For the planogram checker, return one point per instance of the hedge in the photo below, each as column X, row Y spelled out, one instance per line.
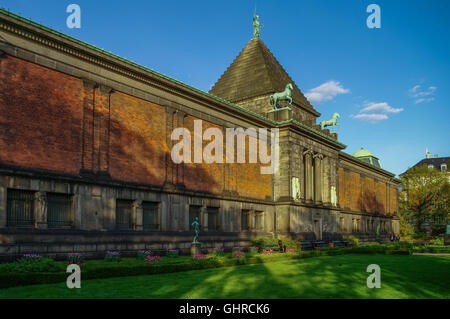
column 109, row 270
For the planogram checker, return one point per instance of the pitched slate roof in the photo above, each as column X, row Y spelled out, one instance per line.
column 256, row 72
column 436, row 162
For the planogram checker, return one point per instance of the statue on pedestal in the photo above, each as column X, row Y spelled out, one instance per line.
column 196, row 245
column 256, row 26
column 332, row 122
column 285, row 95
column 196, row 226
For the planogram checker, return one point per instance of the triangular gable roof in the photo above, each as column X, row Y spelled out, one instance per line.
column 256, row 72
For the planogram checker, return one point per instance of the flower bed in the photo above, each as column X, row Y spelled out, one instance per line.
column 11, row 276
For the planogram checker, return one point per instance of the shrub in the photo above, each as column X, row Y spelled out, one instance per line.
column 438, row 241
column 261, row 241
column 237, row 254
column 253, row 250
column 353, row 240
column 113, row 256
column 173, row 253
column 142, row 254
column 33, row 263
column 151, row 259
column 199, row 256
column 75, row 258
column 218, row 251
column 267, row 252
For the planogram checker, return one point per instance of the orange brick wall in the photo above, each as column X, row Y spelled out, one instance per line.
column 40, row 117
column 49, row 120
column 363, row 194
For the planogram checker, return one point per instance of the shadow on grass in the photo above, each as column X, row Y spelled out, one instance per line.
column 325, row 277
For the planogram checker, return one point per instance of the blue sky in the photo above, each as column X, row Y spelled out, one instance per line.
column 390, row 85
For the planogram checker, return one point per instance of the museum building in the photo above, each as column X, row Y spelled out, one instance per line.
column 86, row 166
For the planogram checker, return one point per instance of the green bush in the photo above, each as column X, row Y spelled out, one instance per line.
column 354, row 241
column 438, row 241
column 261, row 241
column 173, row 253
column 27, row 265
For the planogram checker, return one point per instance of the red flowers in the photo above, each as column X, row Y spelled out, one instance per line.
column 151, row 259
column 238, row 254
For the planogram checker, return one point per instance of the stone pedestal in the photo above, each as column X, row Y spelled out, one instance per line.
column 196, row 249
column 281, row 114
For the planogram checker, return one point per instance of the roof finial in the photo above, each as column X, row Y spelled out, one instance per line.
column 256, row 25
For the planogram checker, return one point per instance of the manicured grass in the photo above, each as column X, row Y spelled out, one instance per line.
column 342, row 276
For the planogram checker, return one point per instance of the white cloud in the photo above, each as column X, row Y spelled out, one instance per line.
column 422, row 95
column 380, row 107
column 325, row 91
column 374, row 112
column 370, row 117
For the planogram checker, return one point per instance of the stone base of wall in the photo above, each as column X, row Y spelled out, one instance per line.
column 94, row 244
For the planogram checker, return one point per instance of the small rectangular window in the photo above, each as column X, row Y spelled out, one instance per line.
column 259, row 220
column 59, row 212
column 213, row 218
column 20, row 208
column 123, row 214
column 245, row 220
column 150, row 215
column 341, row 224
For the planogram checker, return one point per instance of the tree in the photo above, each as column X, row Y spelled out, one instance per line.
column 424, row 201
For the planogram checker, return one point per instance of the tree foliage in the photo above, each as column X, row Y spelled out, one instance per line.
column 424, row 201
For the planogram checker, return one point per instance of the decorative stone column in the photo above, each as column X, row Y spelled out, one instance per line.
column 138, row 216
column 318, row 178
column 308, row 176
column 3, row 200
column 203, row 218
column 40, row 210
column 326, row 190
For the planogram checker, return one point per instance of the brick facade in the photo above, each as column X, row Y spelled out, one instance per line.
column 79, row 123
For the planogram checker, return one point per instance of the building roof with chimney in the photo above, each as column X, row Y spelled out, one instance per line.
column 435, row 161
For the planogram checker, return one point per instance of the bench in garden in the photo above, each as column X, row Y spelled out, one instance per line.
column 338, row 243
column 320, row 243
column 306, row 245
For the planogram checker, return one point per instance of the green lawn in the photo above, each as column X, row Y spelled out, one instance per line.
column 341, row 276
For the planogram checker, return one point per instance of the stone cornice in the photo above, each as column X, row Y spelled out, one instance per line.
column 353, row 160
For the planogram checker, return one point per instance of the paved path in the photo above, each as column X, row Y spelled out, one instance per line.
column 432, row 254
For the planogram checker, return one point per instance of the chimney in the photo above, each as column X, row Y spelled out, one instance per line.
column 428, row 154
column 436, row 156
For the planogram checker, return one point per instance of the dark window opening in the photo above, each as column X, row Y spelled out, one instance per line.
column 150, row 216
column 20, row 208
column 59, row 210
column 123, row 214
